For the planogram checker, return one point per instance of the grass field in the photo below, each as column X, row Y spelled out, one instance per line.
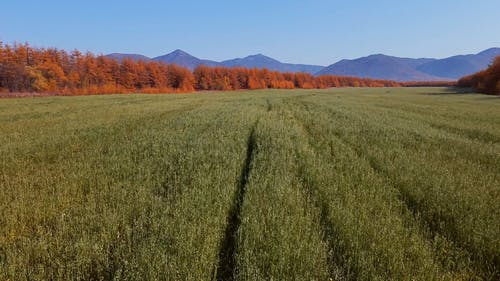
column 342, row 184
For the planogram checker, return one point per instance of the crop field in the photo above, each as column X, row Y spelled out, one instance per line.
column 336, row 184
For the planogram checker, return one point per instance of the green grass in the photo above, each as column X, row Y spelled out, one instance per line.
column 347, row 184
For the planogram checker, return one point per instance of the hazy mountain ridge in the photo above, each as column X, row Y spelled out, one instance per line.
column 185, row 59
column 461, row 65
column 262, row 61
column 377, row 66
column 381, row 67
column 407, row 69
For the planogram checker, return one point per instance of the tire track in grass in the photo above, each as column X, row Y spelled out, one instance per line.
column 269, row 105
column 310, row 182
column 458, row 258
column 227, row 252
column 327, row 225
column 205, row 181
column 448, row 251
column 378, row 169
column 315, row 198
column 337, row 266
column 280, row 237
column 310, row 186
column 410, row 204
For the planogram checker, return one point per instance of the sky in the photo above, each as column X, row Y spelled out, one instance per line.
column 299, row 31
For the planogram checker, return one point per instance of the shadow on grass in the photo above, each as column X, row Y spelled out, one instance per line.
column 453, row 91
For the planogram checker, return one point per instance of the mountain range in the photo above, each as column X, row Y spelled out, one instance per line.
column 182, row 58
column 378, row 66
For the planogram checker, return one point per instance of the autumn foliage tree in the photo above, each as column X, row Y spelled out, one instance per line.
column 27, row 69
column 224, row 78
column 486, row 81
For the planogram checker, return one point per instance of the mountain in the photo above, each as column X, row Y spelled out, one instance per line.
column 375, row 66
column 184, row 59
column 459, row 66
column 381, row 67
column 262, row 61
column 407, row 69
column 120, row 57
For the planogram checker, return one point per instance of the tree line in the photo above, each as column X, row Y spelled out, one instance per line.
column 486, row 81
column 27, row 69
column 49, row 70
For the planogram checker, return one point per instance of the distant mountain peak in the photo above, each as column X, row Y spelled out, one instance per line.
column 184, row 59
column 180, row 52
column 259, row 55
column 378, row 55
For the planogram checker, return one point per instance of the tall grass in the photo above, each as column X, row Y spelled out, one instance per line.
column 280, row 237
column 448, row 178
column 348, row 184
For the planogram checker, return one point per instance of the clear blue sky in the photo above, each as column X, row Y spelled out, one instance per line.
column 301, row 31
